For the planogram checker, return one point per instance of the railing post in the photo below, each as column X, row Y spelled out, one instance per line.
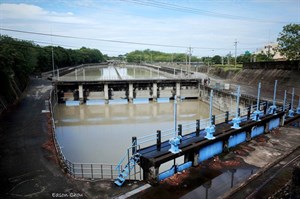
column 101, row 171
column 111, row 172
column 266, row 107
column 197, row 127
column 226, row 116
column 134, row 140
column 158, row 139
column 73, row 170
column 81, row 171
column 92, row 171
column 128, row 160
column 180, row 129
column 249, row 113
column 134, row 171
column 239, row 112
column 213, row 119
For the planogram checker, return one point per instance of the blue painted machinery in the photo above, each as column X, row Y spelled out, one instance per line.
column 298, row 108
column 291, row 111
column 257, row 113
column 175, row 142
column 211, row 128
column 237, row 120
column 273, row 108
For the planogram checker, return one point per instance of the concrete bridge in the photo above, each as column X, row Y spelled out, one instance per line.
column 91, row 91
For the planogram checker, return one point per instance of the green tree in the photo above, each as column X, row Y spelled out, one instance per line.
column 263, row 57
column 289, row 41
column 217, row 59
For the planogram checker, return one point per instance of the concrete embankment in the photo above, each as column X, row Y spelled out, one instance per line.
column 249, row 78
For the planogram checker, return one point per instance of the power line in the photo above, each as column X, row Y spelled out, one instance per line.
column 185, row 9
column 107, row 40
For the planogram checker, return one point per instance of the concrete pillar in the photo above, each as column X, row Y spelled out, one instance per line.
column 154, row 91
column 151, row 175
column 106, row 92
column 80, row 90
column 195, row 160
column 267, row 127
column 282, row 118
column 178, row 89
column 130, row 92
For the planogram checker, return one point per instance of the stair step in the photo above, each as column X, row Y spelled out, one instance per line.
column 117, row 182
column 121, row 179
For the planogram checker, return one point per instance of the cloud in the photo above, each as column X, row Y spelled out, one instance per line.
column 112, row 21
column 27, row 12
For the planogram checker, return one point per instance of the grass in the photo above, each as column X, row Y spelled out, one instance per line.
column 230, row 67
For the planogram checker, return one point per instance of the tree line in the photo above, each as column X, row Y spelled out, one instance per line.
column 19, row 59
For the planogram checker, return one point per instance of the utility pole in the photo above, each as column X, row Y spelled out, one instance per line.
column 228, row 58
column 53, row 70
column 235, row 49
column 190, row 55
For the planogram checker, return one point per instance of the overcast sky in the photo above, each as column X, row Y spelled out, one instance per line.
column 210, row 27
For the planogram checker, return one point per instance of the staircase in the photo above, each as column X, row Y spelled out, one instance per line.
column 135, row 158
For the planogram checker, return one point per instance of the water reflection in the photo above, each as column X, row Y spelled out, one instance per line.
column 219, row 185
column 88, row 133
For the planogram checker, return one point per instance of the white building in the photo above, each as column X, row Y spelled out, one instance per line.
column 271, row 49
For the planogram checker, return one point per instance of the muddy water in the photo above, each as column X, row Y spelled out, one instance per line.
column 112, row 72
column 100, row 134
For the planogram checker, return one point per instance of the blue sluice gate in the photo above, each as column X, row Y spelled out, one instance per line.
column 257, row 130
column 166, row 174
column 274, row 124
column 118, row 101
column 163, row 100
column 236, row 139
column 173, row 169
column 95, row 102
column 72, row 103
column 140, row 101
column 210, row 150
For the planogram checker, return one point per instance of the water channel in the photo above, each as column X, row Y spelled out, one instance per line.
column 115, row 72
column 89, row 133
column 102, row 133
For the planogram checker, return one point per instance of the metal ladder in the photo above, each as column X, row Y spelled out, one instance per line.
column 134, row 159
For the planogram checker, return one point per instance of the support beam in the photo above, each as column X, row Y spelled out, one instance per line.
column 130, row 92
column 178, row 90
column 154, row 91
column 257, row 113
column 272, row 109
column 237, row 120
column 80, row 90
column 211, row 128
column 151, row 175
column 291, row 111
column 176, row 140
column 284, row 101
column 106, row 97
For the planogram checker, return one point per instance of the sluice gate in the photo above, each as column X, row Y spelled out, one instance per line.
column 204, row 139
